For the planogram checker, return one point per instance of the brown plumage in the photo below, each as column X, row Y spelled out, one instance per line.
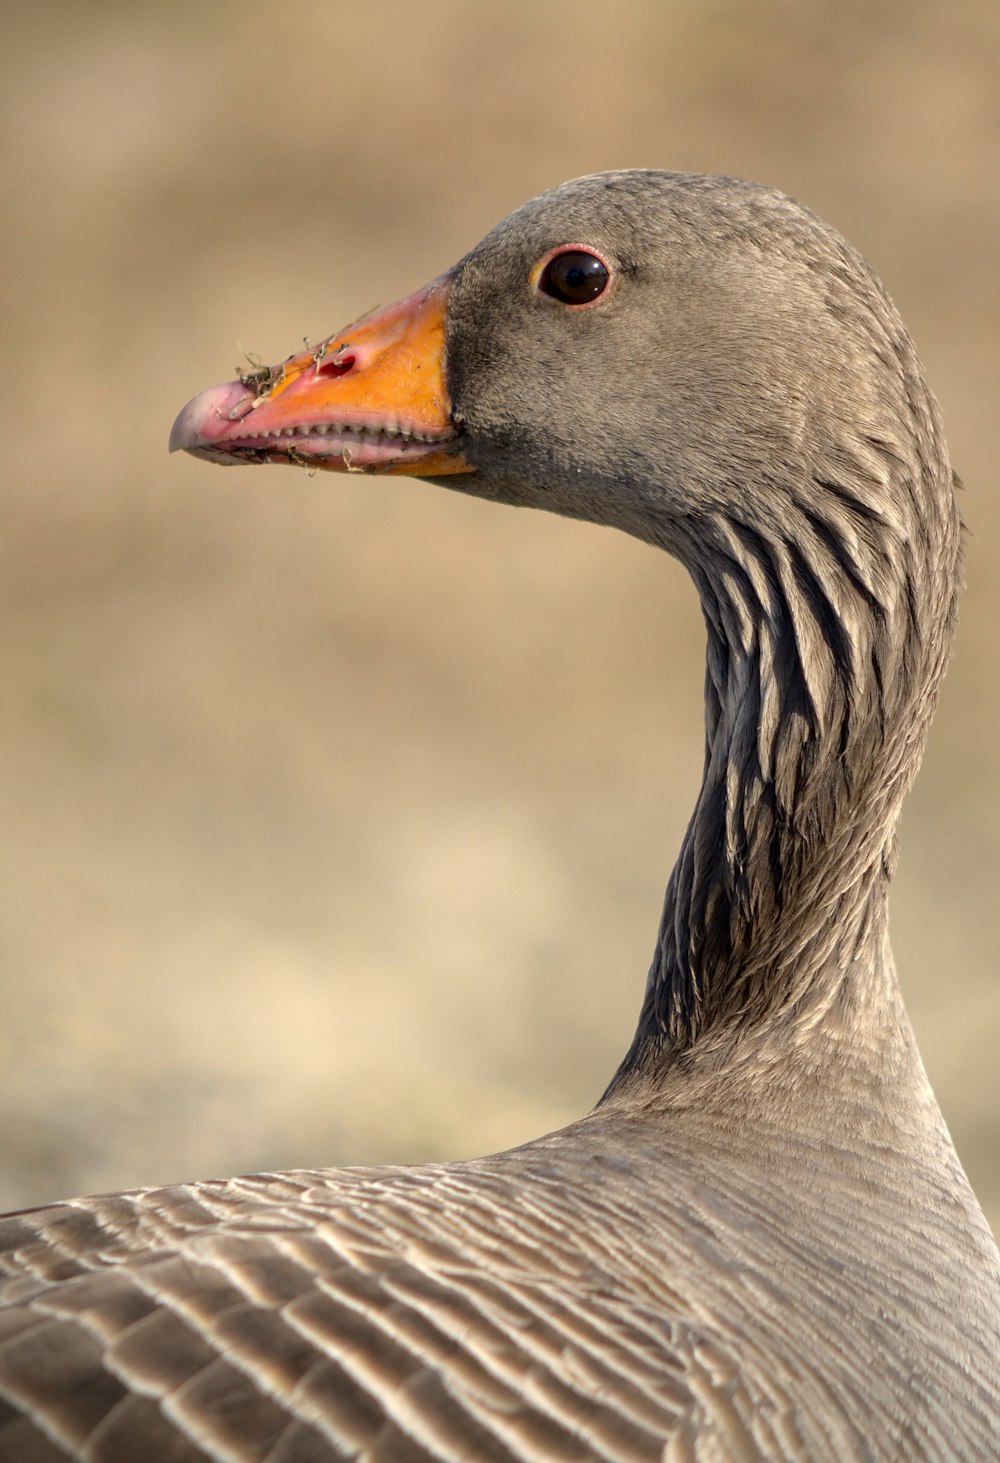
column 760, row 1244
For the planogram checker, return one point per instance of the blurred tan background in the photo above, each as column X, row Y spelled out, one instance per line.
column 337, row 814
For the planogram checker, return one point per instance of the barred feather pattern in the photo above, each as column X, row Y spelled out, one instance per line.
column 520, row 1307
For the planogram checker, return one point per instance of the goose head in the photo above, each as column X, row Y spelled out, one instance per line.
column 644, row 349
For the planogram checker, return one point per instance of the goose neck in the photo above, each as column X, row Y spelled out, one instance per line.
column 826, row 640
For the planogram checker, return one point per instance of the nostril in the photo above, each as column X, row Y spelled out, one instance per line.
column 335, row 365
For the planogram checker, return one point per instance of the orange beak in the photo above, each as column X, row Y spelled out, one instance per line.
column 371, row 399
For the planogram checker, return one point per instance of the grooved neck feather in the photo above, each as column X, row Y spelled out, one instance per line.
column 828, row 633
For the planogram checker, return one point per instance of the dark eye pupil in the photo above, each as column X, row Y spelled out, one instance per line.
column 575, row 277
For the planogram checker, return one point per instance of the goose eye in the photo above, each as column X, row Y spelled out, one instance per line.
column 574, row 277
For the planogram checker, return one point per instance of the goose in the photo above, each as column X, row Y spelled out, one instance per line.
column 760, row 1244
